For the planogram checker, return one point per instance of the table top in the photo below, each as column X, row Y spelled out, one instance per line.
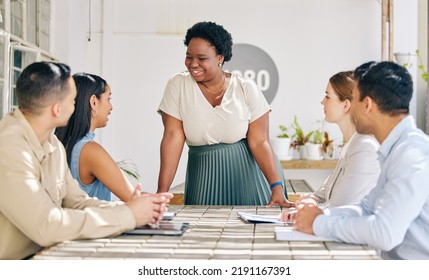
column 215, row 232
column 308, row 164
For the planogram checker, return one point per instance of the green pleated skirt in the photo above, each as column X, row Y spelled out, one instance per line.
column 225, row 174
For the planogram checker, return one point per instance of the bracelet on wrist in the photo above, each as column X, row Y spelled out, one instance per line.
column 275, row 184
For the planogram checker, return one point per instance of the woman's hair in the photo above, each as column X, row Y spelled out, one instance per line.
column 215, row 34
column 343, row 83
column 80, row 121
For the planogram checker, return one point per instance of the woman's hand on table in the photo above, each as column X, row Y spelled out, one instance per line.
column 278, row 198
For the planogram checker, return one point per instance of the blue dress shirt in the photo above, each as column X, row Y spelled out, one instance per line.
column 394, row 216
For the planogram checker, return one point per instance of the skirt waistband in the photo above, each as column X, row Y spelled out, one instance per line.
column 205, row 148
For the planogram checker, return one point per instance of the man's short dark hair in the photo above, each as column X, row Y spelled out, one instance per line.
column 389, row 84
column 40, row 83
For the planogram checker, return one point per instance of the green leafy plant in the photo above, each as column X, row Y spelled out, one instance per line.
column 300, row 138
column 421, row 67
column 129, row 168
column 283, row 133
column 317, row 137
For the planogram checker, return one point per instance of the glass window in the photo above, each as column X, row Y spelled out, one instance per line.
column 17, row 59
column 15, row 76
column 31, row 22
column 2, row 58
column 17, row 17
column 2, row 15
column 21, row 58
column 45, row 22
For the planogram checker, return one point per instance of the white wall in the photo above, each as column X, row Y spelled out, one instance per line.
column 138, row 45
column 422, row 86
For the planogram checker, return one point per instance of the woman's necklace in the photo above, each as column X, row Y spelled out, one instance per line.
column 217, row 91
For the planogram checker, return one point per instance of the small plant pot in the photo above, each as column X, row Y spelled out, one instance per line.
column 313, row 151
column 407, row 60
column 302, row 152
column 281, row 147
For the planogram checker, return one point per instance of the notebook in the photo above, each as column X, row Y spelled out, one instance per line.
column 254, row 218
column 163, row 228
column 290, row 234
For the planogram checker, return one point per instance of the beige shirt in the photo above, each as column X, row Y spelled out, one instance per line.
column 40, row 203
column 203, row 124
column 355, row 174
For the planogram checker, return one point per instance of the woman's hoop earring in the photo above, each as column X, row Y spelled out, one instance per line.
column 94, row 115
column 220, row 64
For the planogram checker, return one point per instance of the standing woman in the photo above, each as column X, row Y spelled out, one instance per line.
column 90, row 164
column 224, row 120
column 357, row 170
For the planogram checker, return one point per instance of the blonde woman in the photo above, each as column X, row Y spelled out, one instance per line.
column 357, row 170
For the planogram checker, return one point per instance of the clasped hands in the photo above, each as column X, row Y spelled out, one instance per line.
column 148, row 208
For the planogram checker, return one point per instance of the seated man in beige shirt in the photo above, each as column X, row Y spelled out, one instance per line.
column 40, row 203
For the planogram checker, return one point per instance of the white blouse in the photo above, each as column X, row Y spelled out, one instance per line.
column 203, row 124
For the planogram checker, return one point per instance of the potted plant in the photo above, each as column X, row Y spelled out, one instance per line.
column 327, row 146
column 313, row 147
column 300, row 138
column 281, row 143
column 411, row 60
column 421, row 67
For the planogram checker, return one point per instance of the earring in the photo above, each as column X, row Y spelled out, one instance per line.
column 220, row 64
column 94, row 115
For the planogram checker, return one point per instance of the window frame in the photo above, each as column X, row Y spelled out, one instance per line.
column 4, row 94
column 13, row 42
column 13, row 68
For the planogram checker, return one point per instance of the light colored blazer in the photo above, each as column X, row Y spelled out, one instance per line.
column 355, row 174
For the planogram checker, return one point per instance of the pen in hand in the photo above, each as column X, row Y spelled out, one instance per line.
column 286, row 214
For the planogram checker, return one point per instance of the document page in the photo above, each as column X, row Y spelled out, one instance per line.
column 254, row 218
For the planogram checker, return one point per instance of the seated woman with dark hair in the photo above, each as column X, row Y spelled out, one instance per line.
column 90, row 164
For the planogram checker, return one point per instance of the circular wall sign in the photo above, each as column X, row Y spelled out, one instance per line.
column 252, row 62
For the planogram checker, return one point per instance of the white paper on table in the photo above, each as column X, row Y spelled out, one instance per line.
column 168, row 216
column 253, row 218
column 290, row 234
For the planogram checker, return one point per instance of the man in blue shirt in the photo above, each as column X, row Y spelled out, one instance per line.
column 394, row 216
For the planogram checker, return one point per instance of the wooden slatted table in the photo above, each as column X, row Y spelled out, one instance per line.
column 215, row 233
column 308, row 164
